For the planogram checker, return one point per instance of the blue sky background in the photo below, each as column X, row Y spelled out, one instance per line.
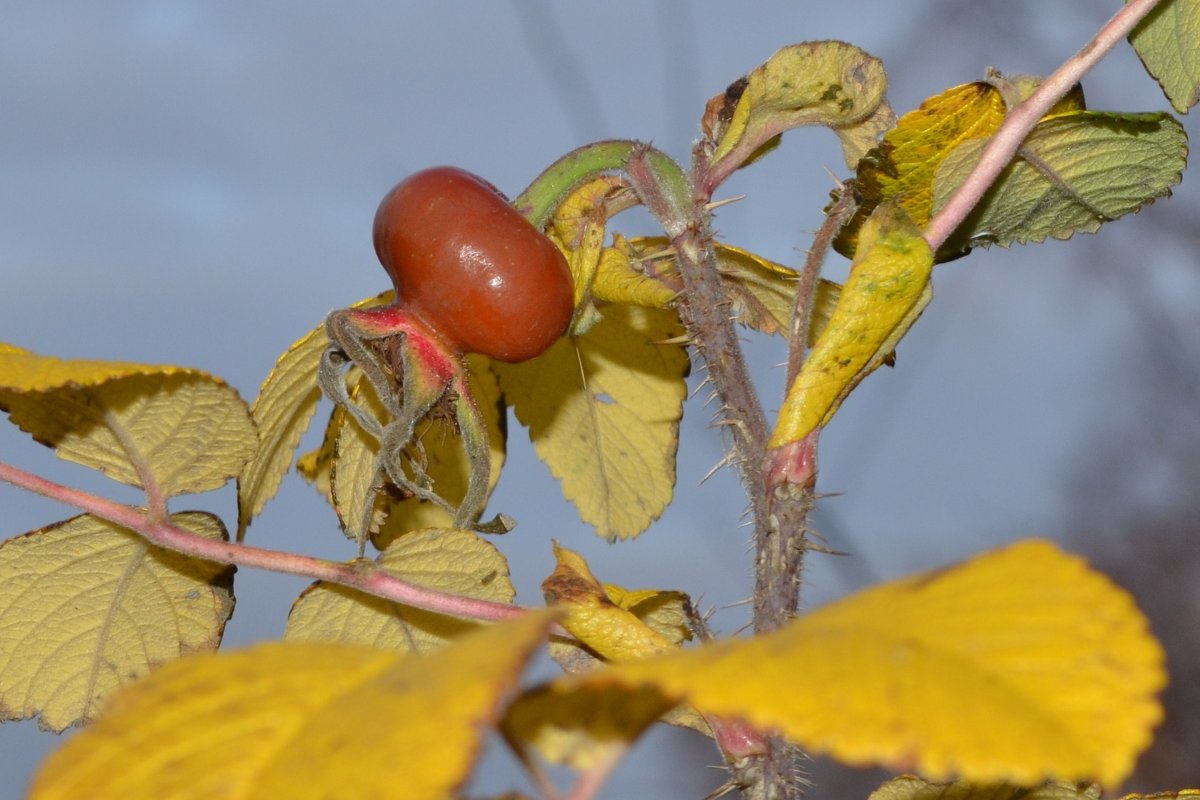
column 194, row 183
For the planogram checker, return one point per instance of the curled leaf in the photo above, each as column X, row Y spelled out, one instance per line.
column 887, row 289
column 827, row 83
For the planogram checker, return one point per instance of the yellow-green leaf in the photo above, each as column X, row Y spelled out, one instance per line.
column 813, row 83
column 453, row 561
column 300, row 720
column 182, row 429
column 1073, row 173
column 86, row 607
column 603, row 411
column 909, row 787
column 1020, row 665
column 284, row 407
column 1168, row 42
column 887, row 289
column 903, row 167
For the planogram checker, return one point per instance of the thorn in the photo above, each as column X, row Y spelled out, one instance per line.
column 724, row 462
column 718, row 203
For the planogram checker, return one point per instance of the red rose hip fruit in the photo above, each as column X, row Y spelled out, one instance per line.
column 471, row 268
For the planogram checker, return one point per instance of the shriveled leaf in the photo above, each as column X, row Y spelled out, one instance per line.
column 1168, row 42
column 1185, row 794
column 184, row 429
column 614, row 633
column 887, row 289
column 1020, row 665
column 903, row 167
column 813, row 83
column 909, row 787
column 1072, row 174
column 582, row 729
column 282, row 412
column 300, row 720
column 453, row 561
column 446, row 461
column 438, row 447
column 87, row 607
column 603, row 411
column 613, row 623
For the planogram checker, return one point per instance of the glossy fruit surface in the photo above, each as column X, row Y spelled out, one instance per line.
column 471, row 267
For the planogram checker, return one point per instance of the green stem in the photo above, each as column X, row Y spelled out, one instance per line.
column 539, row 202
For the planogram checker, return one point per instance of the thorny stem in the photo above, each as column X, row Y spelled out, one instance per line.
column 1022, row 119
column 362, row 575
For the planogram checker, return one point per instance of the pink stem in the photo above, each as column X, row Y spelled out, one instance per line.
column 1021, row 120
column 362, row 575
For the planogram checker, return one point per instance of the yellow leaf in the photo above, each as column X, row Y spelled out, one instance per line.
column 86, row 607
column 300, row 720
column 453, row 561
column 603, row 411
column 904, row 165
column 622, row 277
column 185, row 430
column 583, row 729
column 1018, row 666
column 578, row 225
column 762, row 292
column 813, row 83
column 1168, row 42
column 617, row 624
column 591, row 617
column 909, row 787
column 887, row 289
column 284, row 407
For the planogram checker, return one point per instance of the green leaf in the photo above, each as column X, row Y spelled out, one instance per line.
column 1072, row 174
column 87, row 607
column 1168, row 42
